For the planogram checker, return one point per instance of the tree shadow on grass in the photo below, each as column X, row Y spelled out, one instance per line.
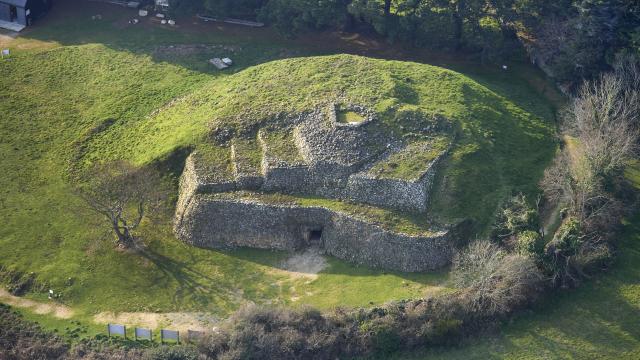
column 577, row 328
column 597, row 315
column 193, row 285
column 576, row 325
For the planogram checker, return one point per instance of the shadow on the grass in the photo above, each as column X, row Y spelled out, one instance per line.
column 191, row 283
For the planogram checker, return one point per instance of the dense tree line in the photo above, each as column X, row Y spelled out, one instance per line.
column 569, row 39
column 579, row 39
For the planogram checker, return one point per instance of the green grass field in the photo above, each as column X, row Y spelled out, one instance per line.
column 96, row 90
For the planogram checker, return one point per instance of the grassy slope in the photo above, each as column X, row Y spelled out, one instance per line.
column 409, row 163
column 66, row 79
column 281, row 146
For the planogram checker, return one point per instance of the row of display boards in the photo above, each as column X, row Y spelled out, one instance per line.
column 147, row 334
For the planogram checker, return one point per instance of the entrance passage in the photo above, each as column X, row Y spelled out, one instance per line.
column 13, row 13
column 315, row 237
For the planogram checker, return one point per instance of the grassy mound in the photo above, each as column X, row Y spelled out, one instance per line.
column 502, row 146
column 67, row 105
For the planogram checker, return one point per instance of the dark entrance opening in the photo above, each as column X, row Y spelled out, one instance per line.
column 315, row 237
column 13, row 13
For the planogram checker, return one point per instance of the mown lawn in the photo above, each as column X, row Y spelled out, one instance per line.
column 67, row 79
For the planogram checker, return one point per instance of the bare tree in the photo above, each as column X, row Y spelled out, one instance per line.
column 570, row 183
column 124, row 195
column 603, row 117
column 628, row 66
column 603, row 120
column 556, row 183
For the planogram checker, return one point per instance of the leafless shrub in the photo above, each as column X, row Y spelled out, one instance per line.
column 573, row 251
column 494, row 281
column 556, row 183
column 88, row 352
column 20, row 339
column 180, row 352
column 255, row 332
column 603, row 120
column 603, row 116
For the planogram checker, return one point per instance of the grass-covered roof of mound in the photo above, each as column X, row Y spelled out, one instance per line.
column 500, row 146
column 410, row 162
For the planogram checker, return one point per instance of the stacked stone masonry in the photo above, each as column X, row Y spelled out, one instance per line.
column 332, row 161
column 229, row 223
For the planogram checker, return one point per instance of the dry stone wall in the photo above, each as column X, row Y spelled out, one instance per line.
column 322, row 140
column 411, row 195
column 245, row 177
column 213, row 222
column 335, row 159
column 281, row 175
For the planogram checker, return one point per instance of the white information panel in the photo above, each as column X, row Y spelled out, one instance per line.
column 142, row 333
column 169, row 335
column 115, row 329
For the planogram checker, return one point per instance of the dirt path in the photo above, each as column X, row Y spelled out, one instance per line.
column 181, row 321
column 57, row 310
column 572, row 146
column 6, row 37
column 553, row 221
